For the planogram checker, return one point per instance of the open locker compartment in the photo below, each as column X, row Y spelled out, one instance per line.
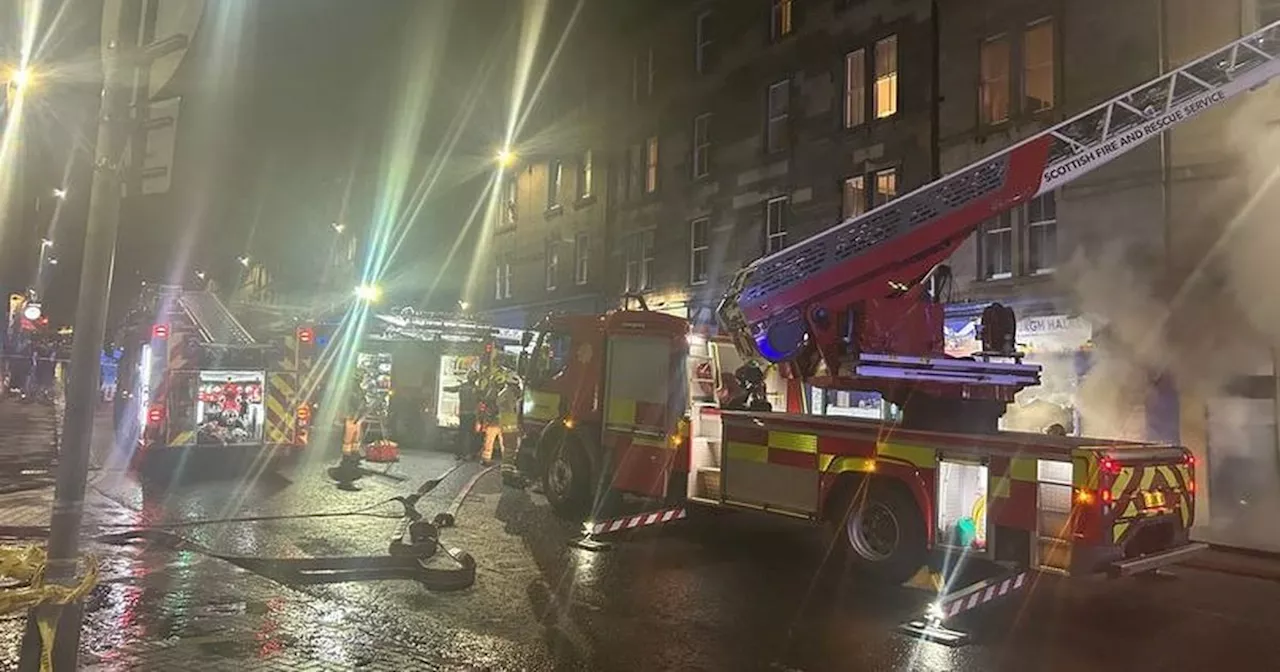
column 705, row 454
column 962, row 520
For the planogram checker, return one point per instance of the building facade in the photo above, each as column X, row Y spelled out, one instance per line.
column 1136, row 285
column 718, row 131
column 721, row 131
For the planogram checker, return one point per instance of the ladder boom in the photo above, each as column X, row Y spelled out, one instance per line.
column 776, row 300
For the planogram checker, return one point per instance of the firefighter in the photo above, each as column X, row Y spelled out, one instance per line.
column 468, row 401
column 497, row 410
column 351, row 434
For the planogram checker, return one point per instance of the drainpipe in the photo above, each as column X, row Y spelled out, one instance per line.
column 935, row 111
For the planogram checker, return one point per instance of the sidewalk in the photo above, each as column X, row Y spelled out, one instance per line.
column 1238, row 562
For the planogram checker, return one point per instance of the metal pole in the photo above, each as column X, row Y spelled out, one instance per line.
column 86, row 348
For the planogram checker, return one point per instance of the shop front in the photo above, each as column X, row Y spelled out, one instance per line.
column 1061, row 344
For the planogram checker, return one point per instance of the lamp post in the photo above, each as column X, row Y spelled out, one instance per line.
column 63, row 564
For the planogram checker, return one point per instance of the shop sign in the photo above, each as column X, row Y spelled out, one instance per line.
column 1042, row 333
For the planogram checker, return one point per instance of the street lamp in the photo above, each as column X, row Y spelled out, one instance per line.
column 244, row 261
column 20, row 78
column 505, row 157
column 53, row 261
column 45, row 242
column 338, row 228
column 200, row 275
column 463, row 305
column 368, row 293
column 60, row 193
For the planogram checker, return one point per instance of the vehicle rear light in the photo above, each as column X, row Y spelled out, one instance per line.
column 304, row 413
column 1191, row 486
column 1106, row 496
column 155, row 415
column 306, row 335
column 1109, row 466
column 1084, row 496
column 1189, row 460
column 160, row 331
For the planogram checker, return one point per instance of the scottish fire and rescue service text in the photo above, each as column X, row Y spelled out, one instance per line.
column 1122, row 142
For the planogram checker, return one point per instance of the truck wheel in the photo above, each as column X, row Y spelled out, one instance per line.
column 883, row 533
column 566, row 480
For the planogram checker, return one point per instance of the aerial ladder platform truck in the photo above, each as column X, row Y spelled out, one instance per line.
column 619, row 403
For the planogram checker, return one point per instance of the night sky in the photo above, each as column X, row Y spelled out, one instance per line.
column 266, row 148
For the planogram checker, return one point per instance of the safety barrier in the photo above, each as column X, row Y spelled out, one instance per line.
column 26, row 566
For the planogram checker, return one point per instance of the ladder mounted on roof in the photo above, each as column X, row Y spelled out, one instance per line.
column 212, row 318
column 776, row 302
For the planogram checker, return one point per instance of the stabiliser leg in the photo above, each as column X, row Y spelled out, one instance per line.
column 931, row 626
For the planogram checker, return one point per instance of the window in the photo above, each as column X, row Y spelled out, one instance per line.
column 699, row 245
column 640, row 261
column 509, row 192
column 996, row 247
column 1268, row 12
column 702, row 145
column 502, row 277
column 553, row 265
column 702, row 42
column 555, row 172
column 642, row 75
column 635, row 171
column 586, row 174
column 581, row 259
column 775, row 224
column 1042, row 234
column 779, row 109
column 1037, row 66
column 886, row 92
column 780, row 19
column 993, row 82
column 886, row 186
column 651, row 165
column 855, row 88
column 854, row 202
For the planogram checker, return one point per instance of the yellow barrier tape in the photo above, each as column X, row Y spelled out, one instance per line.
column 26, row 565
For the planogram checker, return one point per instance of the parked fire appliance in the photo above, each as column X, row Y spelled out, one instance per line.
column 620, row 402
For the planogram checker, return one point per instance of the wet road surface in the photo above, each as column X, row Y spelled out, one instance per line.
column 716, row 592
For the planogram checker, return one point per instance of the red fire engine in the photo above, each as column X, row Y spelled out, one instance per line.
column 627, row 402
column 205, row 387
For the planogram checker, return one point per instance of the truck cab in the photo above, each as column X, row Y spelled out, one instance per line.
column 605, row 397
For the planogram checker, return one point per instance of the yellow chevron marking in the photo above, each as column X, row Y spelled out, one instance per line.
column 183, row 438
column 1166, row 471
column 1118, row 531
column 1148, row 476
column 1122, row 481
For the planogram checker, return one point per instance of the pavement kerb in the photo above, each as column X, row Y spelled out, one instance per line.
column 1238, row 562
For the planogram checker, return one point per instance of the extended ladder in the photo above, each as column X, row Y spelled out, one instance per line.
column 890, row 248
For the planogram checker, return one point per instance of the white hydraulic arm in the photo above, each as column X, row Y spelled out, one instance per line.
column 778, row 303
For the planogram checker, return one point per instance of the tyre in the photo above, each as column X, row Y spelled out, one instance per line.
column 883, row 536
column 566, row 479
